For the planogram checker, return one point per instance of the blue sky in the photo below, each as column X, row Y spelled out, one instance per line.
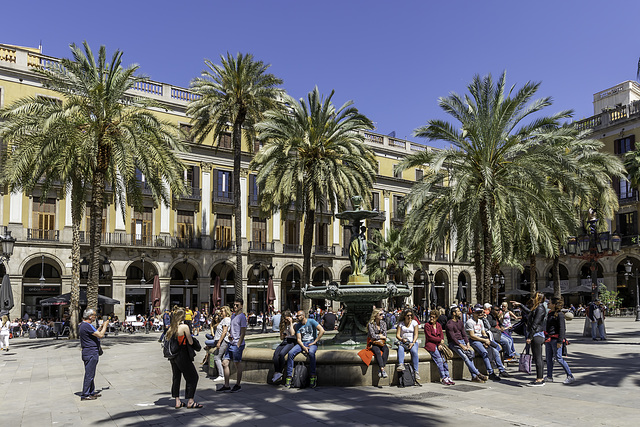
column 392, row 58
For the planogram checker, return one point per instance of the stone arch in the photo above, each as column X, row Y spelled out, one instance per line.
column 290, row 292
column 463, row 290
column 442, row 284
column 344, row 275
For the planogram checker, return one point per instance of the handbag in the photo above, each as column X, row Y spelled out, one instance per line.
column 445, row 351
column 524, row 364
column 380, row 343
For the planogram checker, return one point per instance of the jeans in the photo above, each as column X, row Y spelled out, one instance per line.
column 312, row 358
column 278, row 356
column 458, row 350
column 441, row 363
column 552, row 351
column 90, row 363
column 512, row 348
column 381, row 354
column 597, row 329
column 484, row 352
column 536, row 350
column 506, row 342
column 414, row 356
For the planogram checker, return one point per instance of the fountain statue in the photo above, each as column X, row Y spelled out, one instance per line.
column 358, row 295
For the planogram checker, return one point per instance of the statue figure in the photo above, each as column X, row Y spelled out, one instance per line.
column 362, row 238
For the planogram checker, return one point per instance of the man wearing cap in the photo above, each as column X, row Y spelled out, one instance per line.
column 483, row 344
column 459, row 343
column 506, row 342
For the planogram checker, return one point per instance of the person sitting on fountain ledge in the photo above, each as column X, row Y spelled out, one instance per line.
column 308, row 333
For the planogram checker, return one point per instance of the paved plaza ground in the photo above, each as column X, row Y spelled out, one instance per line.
column 40, row 381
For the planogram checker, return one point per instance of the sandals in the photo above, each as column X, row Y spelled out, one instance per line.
column 182, row 405
column 195, row 406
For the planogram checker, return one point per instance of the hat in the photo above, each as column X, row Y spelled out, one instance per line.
column 477, row 308
column 487, row 305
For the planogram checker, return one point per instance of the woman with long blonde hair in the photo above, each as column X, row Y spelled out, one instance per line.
column 182, row 364
column 5, row 331
column 377, row 332
column 220, row 339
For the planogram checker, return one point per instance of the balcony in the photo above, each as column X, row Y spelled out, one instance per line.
column 289, row 248
column 253, row 200
column 441, row 257
column 633, row 198
column 324, row 250
column 43, row 235
column 223, row 245
column 223, row 197
column 630, row 240
column 196, row 195
column 188, row 242
column 261, row 247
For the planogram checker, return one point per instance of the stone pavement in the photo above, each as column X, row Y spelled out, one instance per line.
column 40, row 381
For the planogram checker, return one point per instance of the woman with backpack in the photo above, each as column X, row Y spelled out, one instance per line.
column 407, row 336
column 377, row 334
column 555, row 333
column 182, row 363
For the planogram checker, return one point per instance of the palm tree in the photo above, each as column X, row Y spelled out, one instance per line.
column 315, row 157
column 392, row 246
column 50, row 153
column 238, row 91
column 116, row 134
column 494, row 168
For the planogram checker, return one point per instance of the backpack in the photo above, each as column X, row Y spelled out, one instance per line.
column 300, row 376
column 170, row 347
column 407, row 377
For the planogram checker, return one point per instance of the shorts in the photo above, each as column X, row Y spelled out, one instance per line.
column 234, row 353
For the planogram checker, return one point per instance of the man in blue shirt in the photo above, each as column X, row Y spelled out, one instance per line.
column 275, row 321
column 308, row 333
column 90, row 343
column 237, row 331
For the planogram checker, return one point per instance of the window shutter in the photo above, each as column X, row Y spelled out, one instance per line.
column 616, row 145
column 633, row 142
column 196, row 177
column 616, row 185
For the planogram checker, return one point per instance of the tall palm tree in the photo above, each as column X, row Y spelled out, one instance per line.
column 238, row 91
column 494, row 167
column 315, row 157
column 392, row 246
column 117, row 134
column 49, row 153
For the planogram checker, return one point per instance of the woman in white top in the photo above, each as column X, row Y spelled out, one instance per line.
column 407, row 334
column 221, row 340
column 5, row 330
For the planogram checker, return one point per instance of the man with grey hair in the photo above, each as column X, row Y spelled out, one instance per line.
column 90, row 343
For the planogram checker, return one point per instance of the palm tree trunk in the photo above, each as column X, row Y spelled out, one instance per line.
column 533, row 276
column 307, row 243
column 237, row 207
column 95, row 223
column 77, row 203
column 556, row 276
column 477, row 265
column 487, row 244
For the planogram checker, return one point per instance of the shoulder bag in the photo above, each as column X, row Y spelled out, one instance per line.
column 524, row 364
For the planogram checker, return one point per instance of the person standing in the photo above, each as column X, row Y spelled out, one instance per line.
column 182, row 364
column 90, row 344
column 5, row 331
column 275, row 321
column 308, row 333
column 536, row 324
column 555, row 333
column 220, row 339
column 196, row 321
column 595, row 312
column 188, row 318
column 237, row 331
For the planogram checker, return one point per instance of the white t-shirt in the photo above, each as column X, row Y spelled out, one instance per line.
column 407, row 331
column 4, row 330
column 224, row 322
column 476, row 327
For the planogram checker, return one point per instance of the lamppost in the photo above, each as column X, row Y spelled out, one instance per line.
column 592, row 247
column 432, row 284
column 7, row 247
column 628, row 266
column 496, row 282
column 263, row 282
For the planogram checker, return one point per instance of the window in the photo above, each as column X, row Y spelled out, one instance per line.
column 419, row 174
column 398, row 207
column 628, row 223
column 223, row 230
column 192, row 176
column 625, row 190
column 375, row 201
column 225, row 141
column 44, row 219
column 88, row 221
column 253, row 190
column 397, row 173
column 322, row 235
column 185, row 220
column 259, row 231
column 142, row 227
column 624, row 145
column 292, row 232
column 186, row 130
column 223, row 186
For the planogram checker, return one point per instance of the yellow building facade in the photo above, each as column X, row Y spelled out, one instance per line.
column 190, row 244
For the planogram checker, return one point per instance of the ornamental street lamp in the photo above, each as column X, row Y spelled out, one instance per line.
column 7, row 246
column 592, row 247
column 627, row 267
column 263, row 282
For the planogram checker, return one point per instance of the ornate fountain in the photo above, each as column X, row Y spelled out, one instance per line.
column 358, row 296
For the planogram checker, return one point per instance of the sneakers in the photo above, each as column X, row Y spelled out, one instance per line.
column 448, row 381
column 569, row 380
column 313, row 382
column 223, row 388
column 494, row 377
column 384, row 374
column 483, row 377
column 548, row 379
column 504, row 374
column 535, row 383
column 92, row 397
column 287, row 382
column 220, row 378
column 276, row 377
column 417, row 376
column 400, row 368
column 236, row 388
column 477, row 379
